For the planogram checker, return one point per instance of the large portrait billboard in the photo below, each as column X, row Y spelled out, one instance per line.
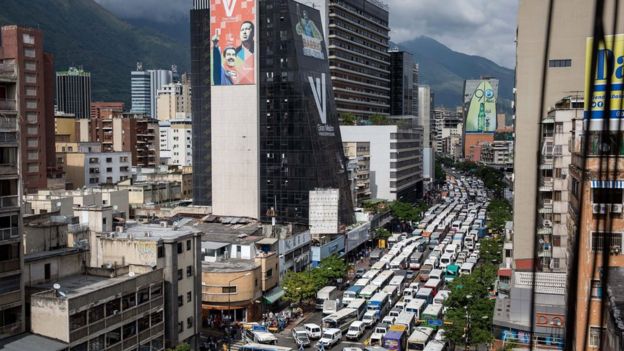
column 480, row 99
column 609, row 66
column 233, row 32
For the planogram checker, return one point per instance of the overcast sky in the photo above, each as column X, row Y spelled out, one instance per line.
column 478, row 27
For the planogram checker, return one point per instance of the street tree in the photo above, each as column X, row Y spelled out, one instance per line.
column 301, row 286
column 499, row 213
column 404, row 211
column 492, row 250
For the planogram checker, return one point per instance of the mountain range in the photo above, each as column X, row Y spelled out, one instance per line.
column 83, row 33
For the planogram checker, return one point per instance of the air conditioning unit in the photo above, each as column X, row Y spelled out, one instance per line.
column 599, row 208
column 547, row 223
column 616, row 208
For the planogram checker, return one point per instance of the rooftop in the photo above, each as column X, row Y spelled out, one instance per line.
column 231, row 265
column 153, row 232
column 28, row 341
column 233, row 232
column 78, row 285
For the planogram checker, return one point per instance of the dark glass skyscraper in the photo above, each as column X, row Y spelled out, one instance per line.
column 73, row 92
column 403, row 84
column 200, row 86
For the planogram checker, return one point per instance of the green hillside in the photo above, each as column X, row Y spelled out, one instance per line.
column 82, row 33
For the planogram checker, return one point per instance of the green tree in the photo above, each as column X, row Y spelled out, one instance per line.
column 499, row 213
column 404, row 211
column 301, row 286
column 383, row 233
column 332, row 267
column 181, row 347
column 378, row 120
column 492, row 250
column 348, row 118
column 440, row 174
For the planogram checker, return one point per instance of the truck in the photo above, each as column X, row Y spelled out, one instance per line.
column 425, row 269
column 394, row 340
column 351, row 293
column 326, row 293
column 432, row 312
column 419, row 338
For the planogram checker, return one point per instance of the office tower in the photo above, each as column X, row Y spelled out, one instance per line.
column 98, row 106
column 176, row 140
column 35, row 103
column 140, row 89
column 73, row 92
column 425, row 114
column 358, row 54
column 275, row 135
column 403, row 84
column 12, row 316
column 200, row 105
column 173, row 100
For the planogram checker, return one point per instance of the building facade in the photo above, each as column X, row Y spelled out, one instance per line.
column 98, row 106
column 174, row 100
column 140, row 90
column 73, row 92
column 12, row 304
column 359, row 153
column 395, row 159
column 403, row 84
column 176, row 142
column 86, row 164
column 34, row 101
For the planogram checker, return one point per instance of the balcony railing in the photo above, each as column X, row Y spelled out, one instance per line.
column 8, row 137
column 8, row 168
column 8, row 201
column 8, row 123
column 8, row 233
column 7, row 105
column 8, row 70
column 9, row 265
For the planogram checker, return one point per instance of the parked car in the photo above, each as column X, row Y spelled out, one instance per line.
column 300, row 335
column 313, row 330
column 329, row 338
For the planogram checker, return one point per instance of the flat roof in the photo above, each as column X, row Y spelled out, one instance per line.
column 153, row 232
column 229, row 233
column 231, row 265
column 28, row 341
column 78, row 285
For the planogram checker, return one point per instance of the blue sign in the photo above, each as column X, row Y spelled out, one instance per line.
column 435, row 322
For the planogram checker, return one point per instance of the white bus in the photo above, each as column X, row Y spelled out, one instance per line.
column 407, row 319
column 419, row 338
column 341, row 319
column 379, row 265
column 383, row 278
column 371, row 274
column 369, row 291
column 416, row 306
column 262, row 347
column 359, row 305
column 397, row 281
column 466, row 268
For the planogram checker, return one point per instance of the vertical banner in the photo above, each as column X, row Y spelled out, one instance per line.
column 609, row 65
column 233, row 42
column 481, row 112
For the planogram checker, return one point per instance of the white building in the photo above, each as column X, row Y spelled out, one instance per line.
column 176, row 142
column 396, row 158
column 174, row 100
column 424, row 120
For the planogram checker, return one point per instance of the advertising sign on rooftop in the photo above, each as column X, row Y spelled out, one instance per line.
column 609, row 66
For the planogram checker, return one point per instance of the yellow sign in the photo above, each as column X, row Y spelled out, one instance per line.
column 609, row 65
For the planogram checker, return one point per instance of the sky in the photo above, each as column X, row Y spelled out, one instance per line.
column 476, row 27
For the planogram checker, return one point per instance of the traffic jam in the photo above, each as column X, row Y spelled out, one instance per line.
column 398, row 303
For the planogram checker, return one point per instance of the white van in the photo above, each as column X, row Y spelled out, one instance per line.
column 441, row 296
column 356, row 330
column 370, row 318
column 445, row 260
column 436, row 274
column 466, row 268
column 331, row 337
column 313, row 330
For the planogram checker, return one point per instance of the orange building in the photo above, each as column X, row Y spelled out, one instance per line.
column 472, row 148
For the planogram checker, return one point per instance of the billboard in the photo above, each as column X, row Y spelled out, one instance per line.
column 609, row 65
column 480, row 101
column 310, row 33
column 233, row 42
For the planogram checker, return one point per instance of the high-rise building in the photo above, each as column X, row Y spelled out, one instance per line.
column 174, row 100
column 358, row 42
column 73, row 92
column 200, row 104
column 403, row 84
column 158, row 79
column 176, row 140
column 12, row 306
column 35, row 103
column 141, row 90
column 425, row 117
column 275, row 133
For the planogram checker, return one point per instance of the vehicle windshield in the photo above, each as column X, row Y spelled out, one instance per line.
column 327, row 336
column 355, row 329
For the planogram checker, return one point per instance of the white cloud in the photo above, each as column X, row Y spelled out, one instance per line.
column 478, row 27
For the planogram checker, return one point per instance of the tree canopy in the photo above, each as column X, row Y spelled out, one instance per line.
column 302, row 286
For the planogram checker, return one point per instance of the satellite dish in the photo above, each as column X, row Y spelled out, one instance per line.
column 115, row 207
column 56, row 286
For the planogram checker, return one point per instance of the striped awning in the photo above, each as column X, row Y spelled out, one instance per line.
column 610, row 184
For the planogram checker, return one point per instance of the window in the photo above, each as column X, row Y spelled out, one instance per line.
column 557, row 240
column 607, row 196
column 29, row 53
column 144, row 323
column 180, row 301
column 156, row 317
column 228, row 290
column 156, row 290
column 129, row 329
column 113, row 337
column 188, row 245
column 47, row 272
column 189, row 296
column 113, row 307
column 161, row 251
column 96, row 313
column 189, row 271
column 557, row 196
column 180, row 274
column 596, row 289
column 269, row 273
column 33, row 168
column 560, row 63
column 614, row 241
column 557, row 216
column 594, row 336
column 556, row 263
column 180, row 327
column 128, row 301
column 143, row 296
column 78, row 320
column 189, row 322
column 179, row 248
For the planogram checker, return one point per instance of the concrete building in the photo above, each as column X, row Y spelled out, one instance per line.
column 395, row 160
column 97, row 107
column 152, row 192
column 12, row 308
column 63, row 201
column 182, row 175
column 614, row 333
column 33, row 98
column 173, row 100
column 358, row 40
column 446, row 122
column 452, row 146
column 119, row 307
column 425, row 120
column 69, row 129
column 134, row 133
column 498, row 154
column 201, row 86
column 359, row 152
column 73, row 92
column 176, row 142
column 267, row 156
column 85, row 164
column 175, row 251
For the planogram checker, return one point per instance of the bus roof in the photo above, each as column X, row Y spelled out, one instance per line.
column 340, row 313
column 327, row 289
column 420, row 334
column 263, row 347
column 379, row 297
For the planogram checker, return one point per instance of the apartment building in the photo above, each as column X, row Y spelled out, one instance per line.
column 87, row 164
column 128, row 132
column 359, row 153
column 152, row 192
column 176, row 142
column 498, row 154
column 183, row 175
column 115, row 308
column 22, row 56
column 63, row 201
column 171, row 248
column 395, row 159
column 12, row 317
column 97, row 107
column 173, row 100
column 69, row 129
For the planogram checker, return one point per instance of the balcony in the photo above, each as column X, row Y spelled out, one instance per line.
column 7, row 71
column 8, row 169
column 10, row 329
column 8, row 201
column 8, row 124
column 8, row 137
column 8, row 105
column 10, row 265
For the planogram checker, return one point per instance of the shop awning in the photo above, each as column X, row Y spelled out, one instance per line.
column 610, row 184
column 274, row 295
column 267, row 241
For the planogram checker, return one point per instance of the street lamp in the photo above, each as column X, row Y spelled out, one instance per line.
column 230, row 308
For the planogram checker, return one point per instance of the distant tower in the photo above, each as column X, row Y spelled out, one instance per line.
column 73, row 92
